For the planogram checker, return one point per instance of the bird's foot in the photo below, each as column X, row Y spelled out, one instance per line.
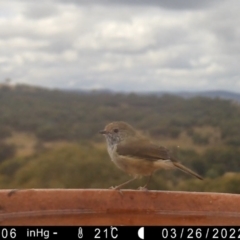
column 116, row 188
column 144, row 188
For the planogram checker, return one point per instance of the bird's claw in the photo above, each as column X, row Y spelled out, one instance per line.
column 116, row 188
column 143, row 188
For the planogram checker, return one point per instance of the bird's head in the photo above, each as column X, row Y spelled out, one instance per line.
column 116, row 132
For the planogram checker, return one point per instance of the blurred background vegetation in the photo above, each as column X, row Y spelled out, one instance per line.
column 50, row 139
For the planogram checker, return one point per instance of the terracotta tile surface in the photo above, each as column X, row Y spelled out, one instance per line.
column 110, row 207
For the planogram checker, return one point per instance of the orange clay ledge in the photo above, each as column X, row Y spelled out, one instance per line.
column 110, row 207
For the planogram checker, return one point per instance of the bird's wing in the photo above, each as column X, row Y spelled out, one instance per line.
column 149, row 151
column 143, row 150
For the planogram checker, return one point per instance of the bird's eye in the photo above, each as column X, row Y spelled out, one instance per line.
column 115, row 130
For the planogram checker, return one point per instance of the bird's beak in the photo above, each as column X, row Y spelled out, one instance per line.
column 103, row 132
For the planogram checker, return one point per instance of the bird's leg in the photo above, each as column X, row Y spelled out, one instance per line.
column 123, row 184
column 145, row 186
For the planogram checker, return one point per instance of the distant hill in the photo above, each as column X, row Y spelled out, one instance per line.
column 227, row 95
column 184, row 94
column 211, row 94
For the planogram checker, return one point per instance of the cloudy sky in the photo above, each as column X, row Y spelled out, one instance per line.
column 135, row 45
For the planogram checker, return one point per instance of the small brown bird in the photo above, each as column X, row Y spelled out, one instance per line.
column 136, row 155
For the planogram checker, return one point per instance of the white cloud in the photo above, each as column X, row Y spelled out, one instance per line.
column 127, row 46
column 19, row 43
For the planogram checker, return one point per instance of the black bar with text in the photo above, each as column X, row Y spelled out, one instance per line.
column 120, row 232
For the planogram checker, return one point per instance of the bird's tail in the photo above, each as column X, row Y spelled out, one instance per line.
column 186, row 170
